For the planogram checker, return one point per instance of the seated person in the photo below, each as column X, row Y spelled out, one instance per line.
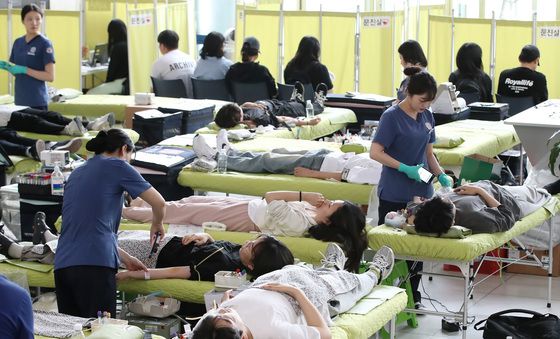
column 320, row 164
column 193, row 257
column 249, row 70
column 306, row 67
column 483, row 207
column 212, row 65
column 173, row 63
column 263, row 113
column 469, row 77
column 294, row 302
column 25, row 119
column 279, row 213
column 525, row 81
column 15, row 144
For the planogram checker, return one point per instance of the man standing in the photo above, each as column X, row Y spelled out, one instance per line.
column 173, row 64
column 525, row 81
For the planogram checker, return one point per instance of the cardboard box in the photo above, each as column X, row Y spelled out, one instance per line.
column 478, row 167
column 543, row 255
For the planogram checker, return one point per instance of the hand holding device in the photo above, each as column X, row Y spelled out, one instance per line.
column 155, row 246
column 445, row 180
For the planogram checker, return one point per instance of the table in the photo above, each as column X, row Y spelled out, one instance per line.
column 535, row 126
column 365, row 106
column 92, row 70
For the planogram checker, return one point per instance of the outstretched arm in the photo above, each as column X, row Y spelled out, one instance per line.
column 315, row 199
column 298, row 122
column 178, row 272
column 309, row 173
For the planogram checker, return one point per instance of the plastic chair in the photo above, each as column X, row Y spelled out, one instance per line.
column 249, row 92
column 285, row 91
column 210, row 89
column 169, row 88
column 516, row 104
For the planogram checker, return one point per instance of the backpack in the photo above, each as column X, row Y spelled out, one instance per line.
column 501, row 325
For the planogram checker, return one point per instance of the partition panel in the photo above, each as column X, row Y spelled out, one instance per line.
column 120, row 9
column 511, row 36
column 425, row 11
column 142, row 48
column 239, row 31
column 338, row 48
column 399, row 38
column 67, row 49
column 439, row 47
column 98, row 14
column 264, row 26
column 474, row 30
column 177, row 20
column 548, row 41
column 376, row 53
column 298, row 24
column 4, row 51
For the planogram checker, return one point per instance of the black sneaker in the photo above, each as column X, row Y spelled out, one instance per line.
column 39, row 228
column 321, row 94
column 299, row 93
column 35, row 150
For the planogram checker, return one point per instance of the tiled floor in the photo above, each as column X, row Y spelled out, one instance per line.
column 493, row 295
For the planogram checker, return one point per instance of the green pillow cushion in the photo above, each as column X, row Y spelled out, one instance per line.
column 455, row 232
column 448, row 142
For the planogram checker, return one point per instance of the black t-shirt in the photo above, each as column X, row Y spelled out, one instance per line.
column 274, row 108
column 523, row 82
column 315, row 73
column 204, row 261
column 250, row 72
column 481, row 84
column 118, row 66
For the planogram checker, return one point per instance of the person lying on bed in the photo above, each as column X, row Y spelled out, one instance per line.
column 294, row 302
column 320, row 164
column 279, row 213
column 194, row 257
column 26, row 119
column 15, row 144
column 483, row 207
column 266, row 112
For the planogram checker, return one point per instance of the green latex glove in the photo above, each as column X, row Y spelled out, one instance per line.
column 445, row 180
column 4, row 65
column 17, row 69
column 411, row 171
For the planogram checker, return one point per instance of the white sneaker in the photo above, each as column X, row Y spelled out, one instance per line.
column 334, row 257
column 383, row 262
column 222, row 141
column 103, row 122
column 35, row 150
column 71, row 146
column 202, row 149
column 74, row 128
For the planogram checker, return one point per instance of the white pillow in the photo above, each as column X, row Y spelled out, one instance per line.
column 113, row 87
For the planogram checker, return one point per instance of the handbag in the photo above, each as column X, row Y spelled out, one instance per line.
column 503, row 325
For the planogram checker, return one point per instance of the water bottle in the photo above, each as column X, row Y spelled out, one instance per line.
column 78, row 333
column 57, row 180
column 222, row 160
column 309, row 110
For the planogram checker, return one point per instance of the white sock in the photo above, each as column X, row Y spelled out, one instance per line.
column 375, row 274
column 49, row 236
column 15, row 250
column 28, row 152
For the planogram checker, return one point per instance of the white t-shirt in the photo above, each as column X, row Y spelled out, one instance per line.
column 175, row 65
column 279, row 217
column 212, row 68
column 355, row 168
column 6, row 113
column 270, row 315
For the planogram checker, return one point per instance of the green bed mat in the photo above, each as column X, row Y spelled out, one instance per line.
column 353, row 326
column 488, row 138
column 98, row 105
column 257, row 184
column 465, row 249
column 332, row 120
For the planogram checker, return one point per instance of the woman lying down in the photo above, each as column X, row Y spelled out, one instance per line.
column 194, row 257
column 279, row 213
column 483, row 207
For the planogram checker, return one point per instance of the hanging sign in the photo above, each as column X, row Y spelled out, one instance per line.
column 141, row 19
column 376, row 21
column 549, row 32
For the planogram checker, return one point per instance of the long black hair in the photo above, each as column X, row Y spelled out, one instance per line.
column 117, row 32
column 346, row 226
column 421, row 82
column 110, row 141
column 412, row 52
column 213, row 45
column 309, row 50
column 269, row 255
column 206, row 328
column 469, row 60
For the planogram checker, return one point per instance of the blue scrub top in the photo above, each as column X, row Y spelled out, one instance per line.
column 16, row 315
column 91, row 212
column 404, row 139
column 35, row 54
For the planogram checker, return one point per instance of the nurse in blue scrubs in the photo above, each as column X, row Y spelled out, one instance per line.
column 403, row 144
column 31, row 61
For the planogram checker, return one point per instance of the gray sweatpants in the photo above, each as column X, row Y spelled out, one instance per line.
column 278, row 161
